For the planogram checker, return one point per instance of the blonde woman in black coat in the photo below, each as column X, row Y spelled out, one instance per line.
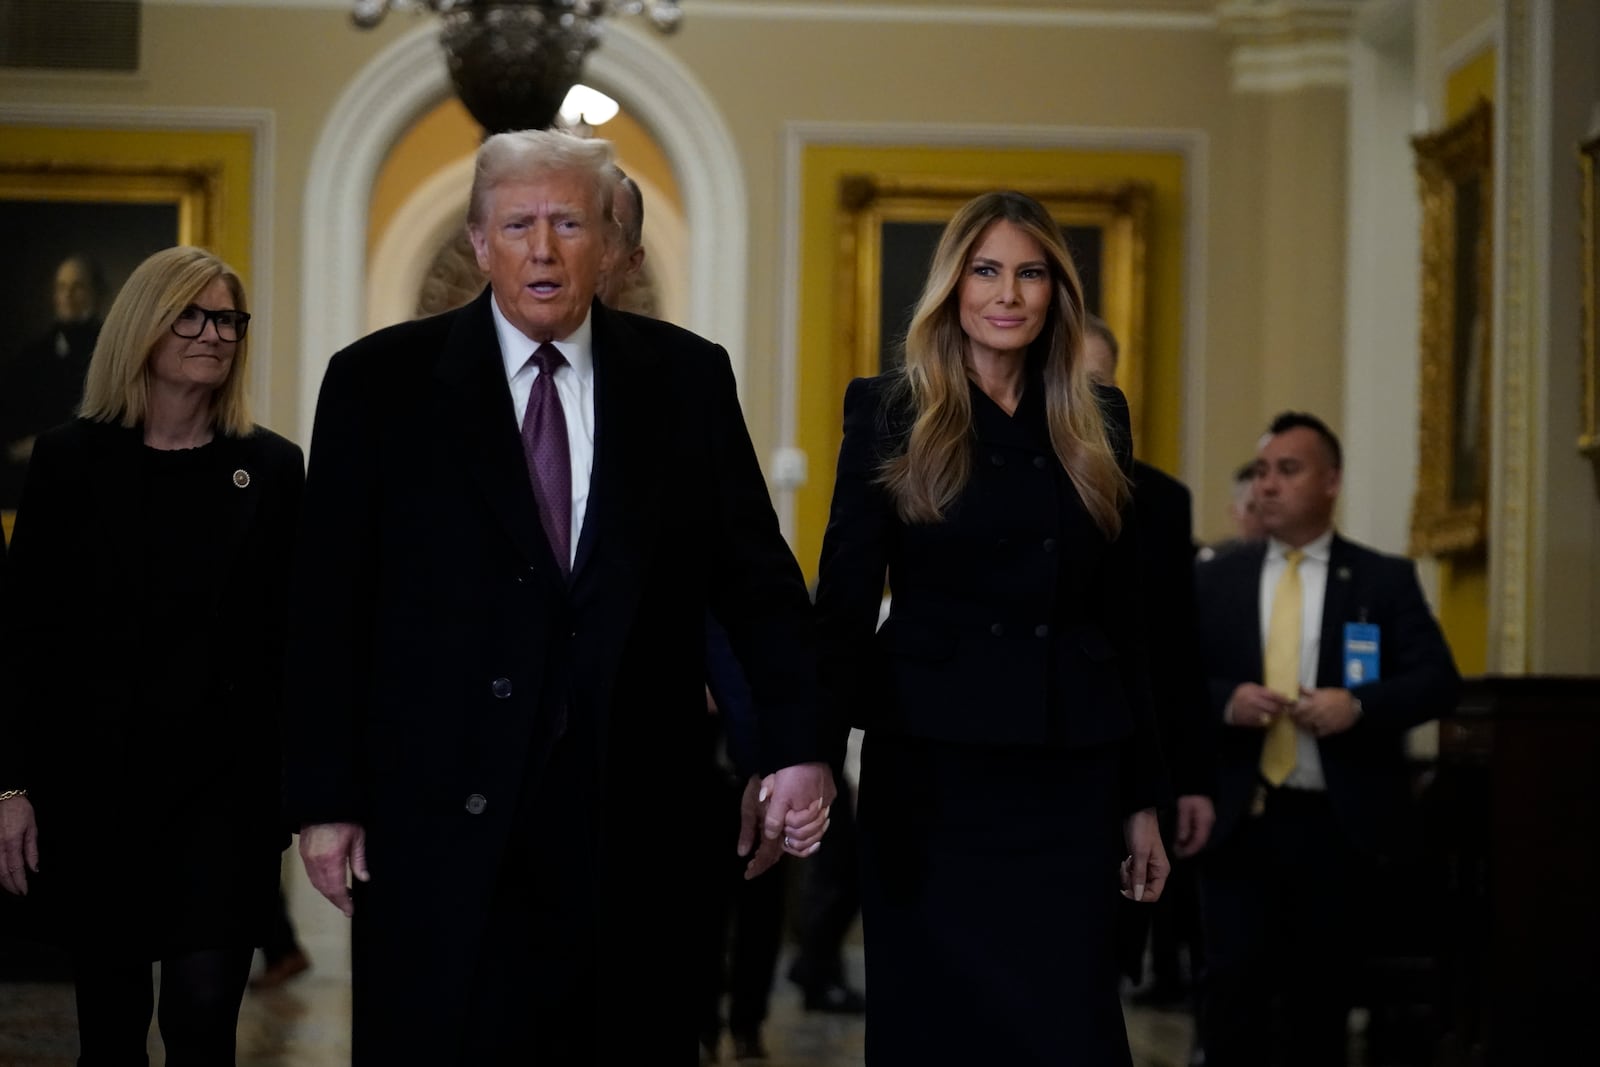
column 144, row 609
column 1010, row 772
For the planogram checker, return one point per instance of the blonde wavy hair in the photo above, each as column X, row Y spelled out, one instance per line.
column 926, row 477
column 117, row 386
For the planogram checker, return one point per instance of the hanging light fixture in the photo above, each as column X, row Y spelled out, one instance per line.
column 513, row 62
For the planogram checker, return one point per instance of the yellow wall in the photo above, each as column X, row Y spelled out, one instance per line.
column 824, row 373
column 1464, row 582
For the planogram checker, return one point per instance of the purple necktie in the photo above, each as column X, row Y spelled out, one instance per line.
column 544, row 445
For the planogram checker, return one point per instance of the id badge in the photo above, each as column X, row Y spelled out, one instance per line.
column 1360, row 653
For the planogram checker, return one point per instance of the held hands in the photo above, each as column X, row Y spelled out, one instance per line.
column 332, row 852
column 1255, row 706
column 771, row 848
column 798, row 800
column 1144, row 872
column 19, row 844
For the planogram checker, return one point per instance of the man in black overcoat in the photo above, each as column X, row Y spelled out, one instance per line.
column 1311, row 781
column 497, row 679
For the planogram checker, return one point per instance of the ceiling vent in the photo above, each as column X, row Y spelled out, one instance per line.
column 100, row 35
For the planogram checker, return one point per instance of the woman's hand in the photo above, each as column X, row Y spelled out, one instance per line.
column 19, row 844
column 1144, row 872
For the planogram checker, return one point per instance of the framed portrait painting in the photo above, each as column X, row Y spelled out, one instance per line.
column 1454, row 170
column 73, row 232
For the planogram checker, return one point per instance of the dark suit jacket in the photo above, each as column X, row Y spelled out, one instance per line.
column 1164, row 514
column 1365, row 765
column 440, row 652
column 1010, row 622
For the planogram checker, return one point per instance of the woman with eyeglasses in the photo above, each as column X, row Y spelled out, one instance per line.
column 143, row 630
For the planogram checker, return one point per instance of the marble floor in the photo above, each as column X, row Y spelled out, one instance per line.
column 305, row 1023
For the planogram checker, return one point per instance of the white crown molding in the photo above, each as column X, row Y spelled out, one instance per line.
column 1191, row 145
column 257, row 122
column 989, row 14
column 1284, row 46
column 406, row 79
column 1287, row 68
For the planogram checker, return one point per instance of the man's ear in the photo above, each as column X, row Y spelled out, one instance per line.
column 480, row 246
column 636, row 260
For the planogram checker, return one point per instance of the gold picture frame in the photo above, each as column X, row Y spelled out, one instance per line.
column 872, row 208
column 1455, row 178
column 113, row 213
column 1589, row 435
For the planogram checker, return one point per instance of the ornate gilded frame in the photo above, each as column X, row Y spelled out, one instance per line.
column 867, row 202
column 1589, row 417
column 195, row 189
column 1455, row 177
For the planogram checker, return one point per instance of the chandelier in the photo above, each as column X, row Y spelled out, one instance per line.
column 513, row 61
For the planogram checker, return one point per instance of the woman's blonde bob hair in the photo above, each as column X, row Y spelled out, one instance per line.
column 928, row 476
column 117, row 387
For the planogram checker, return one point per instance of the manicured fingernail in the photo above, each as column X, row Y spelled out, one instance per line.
column 762, row 796
column 812, row 849
column 1138, row 892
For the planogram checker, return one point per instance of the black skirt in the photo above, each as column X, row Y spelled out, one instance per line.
column 990, row 895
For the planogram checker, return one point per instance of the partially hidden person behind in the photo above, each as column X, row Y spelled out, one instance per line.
column 1010, row 771
column 144, row 635
column 518, row 515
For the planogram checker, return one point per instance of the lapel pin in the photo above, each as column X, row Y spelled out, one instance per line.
column 1343, row 574
column 241, row 478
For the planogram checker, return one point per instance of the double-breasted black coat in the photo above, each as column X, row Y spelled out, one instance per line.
column 439, row 652
column 1008, row 733
column 141, row 703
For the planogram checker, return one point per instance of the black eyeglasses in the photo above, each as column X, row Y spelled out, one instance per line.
column 230, row 324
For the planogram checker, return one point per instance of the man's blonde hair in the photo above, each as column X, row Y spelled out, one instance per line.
column 525, row 154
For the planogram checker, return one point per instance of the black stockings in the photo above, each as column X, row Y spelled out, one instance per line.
column 199, row 1014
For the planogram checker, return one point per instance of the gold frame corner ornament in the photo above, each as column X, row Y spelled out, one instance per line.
column 1589, row 393
column 865, row 202
column 1449, row 513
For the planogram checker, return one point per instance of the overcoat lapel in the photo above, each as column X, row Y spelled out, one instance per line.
column 626, row 483
column 478, row 419
column 1248, row 608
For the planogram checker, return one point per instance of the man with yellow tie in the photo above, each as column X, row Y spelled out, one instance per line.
column 1320, row 655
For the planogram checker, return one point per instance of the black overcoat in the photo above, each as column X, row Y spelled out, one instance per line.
column 76, row 599
column 439, row 650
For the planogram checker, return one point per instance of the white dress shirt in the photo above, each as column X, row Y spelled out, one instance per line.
column 1307, row 773
column 575, row 389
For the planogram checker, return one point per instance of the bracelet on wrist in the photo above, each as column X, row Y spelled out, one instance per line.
column 7, row 794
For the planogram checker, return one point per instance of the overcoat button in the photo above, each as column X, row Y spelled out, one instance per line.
column 998, row 629
column 241, row 478
column 997, row 459
column 476, row 803
column 501, row 687
column 1041, row 631
column 1049, row 544
column 1039, row 462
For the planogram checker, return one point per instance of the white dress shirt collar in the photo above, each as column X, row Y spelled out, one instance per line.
column 516, row 346
column 1318, row 548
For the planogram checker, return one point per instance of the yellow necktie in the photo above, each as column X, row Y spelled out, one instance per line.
column 1283, row 669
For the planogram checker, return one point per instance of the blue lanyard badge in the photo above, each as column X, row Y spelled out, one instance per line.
column 1360, row 654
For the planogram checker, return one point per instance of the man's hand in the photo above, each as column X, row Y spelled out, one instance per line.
column 1195, row 819
column 798, row 801
column 19, row 845
column 1254, row 706
column 1325, row 712
column 750, row 832
column 332, row 852
column 1144, row 872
